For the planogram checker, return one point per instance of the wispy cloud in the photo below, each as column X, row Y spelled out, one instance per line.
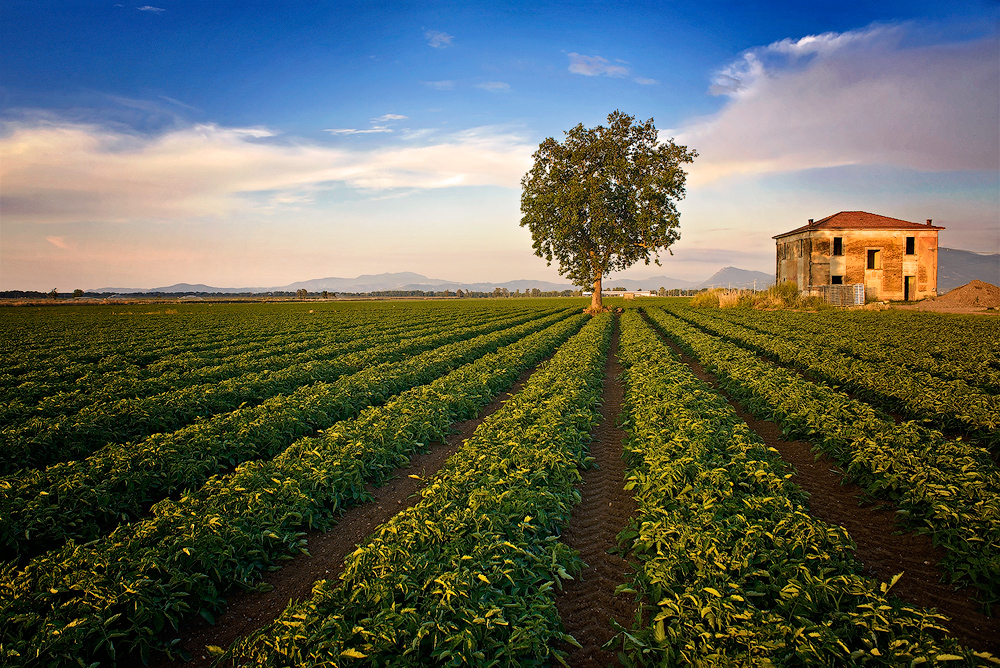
column 439, row 85
column 353, row 131
column 374, row 129
column 68, row 172
column 592, row 66
column 438, row 39
column 494, row 86
column 179, row 103
column 150, row 8
column 642, row 81
column 861, row 97
column 58, row 242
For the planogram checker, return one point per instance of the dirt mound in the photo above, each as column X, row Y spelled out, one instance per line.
column 977, row 294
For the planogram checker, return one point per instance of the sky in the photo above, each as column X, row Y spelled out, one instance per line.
column 255, row 144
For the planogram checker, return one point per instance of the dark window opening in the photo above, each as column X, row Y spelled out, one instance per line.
column 911, row 243
column 874, row 259
column 836, row 280
column 838, row 245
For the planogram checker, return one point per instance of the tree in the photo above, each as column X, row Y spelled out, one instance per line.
column 604, row 199
column 54, row 293
column 77, row 293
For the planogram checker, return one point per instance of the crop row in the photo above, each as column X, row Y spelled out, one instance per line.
column 468, row 575
column 122, row 379
column 950, row 404
column 86, row 343
column 129, row 590
column 117, row 377
column 39, row 510
column 70, row 437
column 734, row 569
column 63, row 346
column 945, row 345
column 946, row 488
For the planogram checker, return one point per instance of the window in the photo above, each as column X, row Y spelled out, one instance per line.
column 874, row 259
column 838, row 245
column 836, row 280
column 911, row 245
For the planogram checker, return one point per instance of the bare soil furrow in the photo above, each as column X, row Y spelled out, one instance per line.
column 882, row 550
column 588, row 604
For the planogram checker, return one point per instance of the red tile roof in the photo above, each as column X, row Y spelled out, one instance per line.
column 860, row 220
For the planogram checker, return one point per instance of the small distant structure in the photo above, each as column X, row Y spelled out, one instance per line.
column 871, row 256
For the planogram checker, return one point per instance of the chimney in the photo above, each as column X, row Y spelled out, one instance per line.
column 810, row 221
column 929, row 222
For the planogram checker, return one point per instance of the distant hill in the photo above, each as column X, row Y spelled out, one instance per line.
column 958, row 267
column 364, row 283
column 725, row 277
column 733, row 277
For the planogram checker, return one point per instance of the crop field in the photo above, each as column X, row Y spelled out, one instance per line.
column 497, row 482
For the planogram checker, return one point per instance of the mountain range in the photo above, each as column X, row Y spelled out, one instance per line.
column 955, row 267
column 409, row 281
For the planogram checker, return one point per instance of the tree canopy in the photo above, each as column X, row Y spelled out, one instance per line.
column 604, row 198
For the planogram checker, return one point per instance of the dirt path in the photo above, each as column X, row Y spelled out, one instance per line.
column 249, row 611
column 873, row 528
column 587, row 604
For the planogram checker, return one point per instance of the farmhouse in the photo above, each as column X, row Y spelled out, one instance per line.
column 891, row 258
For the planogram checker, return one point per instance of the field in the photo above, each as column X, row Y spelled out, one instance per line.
column 497, row 482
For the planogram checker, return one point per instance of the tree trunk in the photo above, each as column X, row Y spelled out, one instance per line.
column 595, row 302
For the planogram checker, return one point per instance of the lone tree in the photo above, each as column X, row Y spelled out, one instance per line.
column 604, row 199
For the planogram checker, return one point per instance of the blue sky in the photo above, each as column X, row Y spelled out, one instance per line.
column 256, row 144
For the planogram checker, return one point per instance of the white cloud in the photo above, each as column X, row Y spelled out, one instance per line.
column 65, row 172
column 593, row 66
column 438, row 39
column 374, row 129
column 861, row 97
column 439, row 85
column 150, row 8
column 494, row 86
column 642, row 81
column 354, row 131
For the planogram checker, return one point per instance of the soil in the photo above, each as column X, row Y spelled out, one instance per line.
column 972, row 297
column 588, row 604
column 881, row 548
column 248, row 611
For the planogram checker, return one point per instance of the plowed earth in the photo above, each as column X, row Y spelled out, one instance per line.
column 587, row 604
column 881, row 548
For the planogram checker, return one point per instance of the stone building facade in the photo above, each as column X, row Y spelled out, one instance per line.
column 894, row 259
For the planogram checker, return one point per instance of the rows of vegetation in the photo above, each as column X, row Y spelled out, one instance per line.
column 468, row 575
column 39, row 510
column 44, row 442
column 949, row 489
column 951, row 404
column 949, row 346
column 132, row 589
column 52, row 346
column 734, row 569
column 116, row 378
column 42, row 346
